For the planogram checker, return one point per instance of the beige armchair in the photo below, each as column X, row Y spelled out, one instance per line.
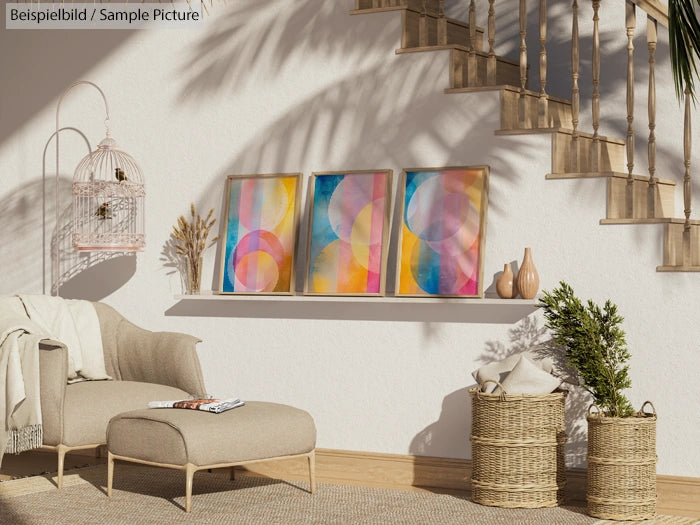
column 146, row 366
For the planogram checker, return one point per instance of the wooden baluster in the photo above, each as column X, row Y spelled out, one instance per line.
column 595, row 146
column 442, row 25
column 630, row 24
column 523, row 60
column 471, row 66
column 574, row 89
column 687, row 143
column 423, row 26
column 652, row 38
column 491, row 61
column 542, row 111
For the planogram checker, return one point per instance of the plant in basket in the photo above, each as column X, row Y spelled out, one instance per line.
column 621, row 442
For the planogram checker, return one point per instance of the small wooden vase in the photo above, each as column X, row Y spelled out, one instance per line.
column 505, row 285
column 528, row 281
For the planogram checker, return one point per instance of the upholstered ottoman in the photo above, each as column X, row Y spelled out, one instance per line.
column 193, row 440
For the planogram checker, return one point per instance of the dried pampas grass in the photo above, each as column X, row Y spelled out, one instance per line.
column 191, row 241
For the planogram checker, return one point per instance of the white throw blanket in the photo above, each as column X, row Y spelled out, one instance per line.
column 20, row 403
column 75, row 324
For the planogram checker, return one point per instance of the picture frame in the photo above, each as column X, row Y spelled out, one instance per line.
column 441, row 237
column 259, row 240
column 348, row 231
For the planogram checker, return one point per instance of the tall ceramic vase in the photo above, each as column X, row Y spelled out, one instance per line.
column 528, row 281
column 505, row 285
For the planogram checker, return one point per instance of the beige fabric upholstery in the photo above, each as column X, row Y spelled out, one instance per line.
column 90, row 405
column 257, row 430
column 158, row 365
column 53, row 371
column 135, row 354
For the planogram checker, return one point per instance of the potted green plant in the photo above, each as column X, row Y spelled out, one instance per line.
column 621, row 442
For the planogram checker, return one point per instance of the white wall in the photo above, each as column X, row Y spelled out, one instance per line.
column 303, row 86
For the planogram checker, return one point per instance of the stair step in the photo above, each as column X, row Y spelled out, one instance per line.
column 675, row 245
column 457, row 31
column 616, row 196
column 507, row 70
column 377, row 6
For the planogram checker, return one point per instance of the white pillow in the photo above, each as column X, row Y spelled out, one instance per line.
column 499, row 370
column 528, row 378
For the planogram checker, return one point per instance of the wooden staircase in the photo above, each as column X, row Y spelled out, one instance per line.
column 631, row 198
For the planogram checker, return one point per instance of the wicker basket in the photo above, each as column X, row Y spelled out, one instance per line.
column 518, row 449
column 622, row 465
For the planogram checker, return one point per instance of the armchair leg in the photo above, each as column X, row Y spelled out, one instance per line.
column 312, row 471
column 110, row 473
column 61, row 449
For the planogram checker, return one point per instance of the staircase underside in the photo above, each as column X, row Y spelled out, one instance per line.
column 629, row 200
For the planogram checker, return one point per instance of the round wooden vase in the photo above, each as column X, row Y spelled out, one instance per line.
column 505, row 285
column 528, row 281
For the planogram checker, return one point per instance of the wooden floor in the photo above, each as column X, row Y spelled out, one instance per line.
column 677, row 495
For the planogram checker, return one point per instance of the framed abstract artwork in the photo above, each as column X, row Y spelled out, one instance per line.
column 442, row 231
column 259, row 239
column 348, row 231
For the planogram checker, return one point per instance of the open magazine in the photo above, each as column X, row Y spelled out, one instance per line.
column 207, row 405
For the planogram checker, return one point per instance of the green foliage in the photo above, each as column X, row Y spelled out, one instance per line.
column 595, row 346
column 684, row 41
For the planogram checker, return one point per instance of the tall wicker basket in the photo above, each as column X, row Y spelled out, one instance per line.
column 622, row 465
column 518, row 449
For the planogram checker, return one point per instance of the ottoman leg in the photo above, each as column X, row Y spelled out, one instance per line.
column 312, row 471
column 190, row 469
column 110, row 473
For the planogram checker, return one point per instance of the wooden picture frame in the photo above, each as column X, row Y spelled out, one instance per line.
column 346, row 252
column 261, row 226
column 442, row 231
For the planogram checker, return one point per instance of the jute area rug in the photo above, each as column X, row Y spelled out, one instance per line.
column 145, row 495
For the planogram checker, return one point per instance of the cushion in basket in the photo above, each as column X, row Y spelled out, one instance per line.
column 528, row 378
column 498, row 370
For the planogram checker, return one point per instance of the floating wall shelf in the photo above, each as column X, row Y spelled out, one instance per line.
column 353, row 308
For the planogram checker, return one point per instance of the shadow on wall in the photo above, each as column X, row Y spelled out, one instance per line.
column 30, row 242
column 392, row 114
column 529, row 334
column 449, row 435
column 35, row 69
column 253, row 40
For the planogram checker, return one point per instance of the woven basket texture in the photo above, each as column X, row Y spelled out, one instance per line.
column 518, row 449
column 622, row 467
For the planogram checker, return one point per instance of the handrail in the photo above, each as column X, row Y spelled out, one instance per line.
column 655, row 9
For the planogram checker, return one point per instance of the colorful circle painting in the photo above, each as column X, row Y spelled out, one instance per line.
column 442, row 232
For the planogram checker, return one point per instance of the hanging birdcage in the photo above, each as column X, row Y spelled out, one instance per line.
column 108, row 201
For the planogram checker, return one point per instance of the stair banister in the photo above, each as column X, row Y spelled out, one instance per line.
column 442, row 25
column 574, row 89
column 523, row 60
column 595, row 102
column 630, row 25
column 423, row 26
column 543, row 100
column 491, row 62
column 471, row 66
column 687, row 145
column 652, row 38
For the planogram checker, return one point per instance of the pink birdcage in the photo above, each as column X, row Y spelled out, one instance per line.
column 108, row 201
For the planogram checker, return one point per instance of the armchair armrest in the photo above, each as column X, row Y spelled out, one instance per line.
column 166, row 358
column 53, row 376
